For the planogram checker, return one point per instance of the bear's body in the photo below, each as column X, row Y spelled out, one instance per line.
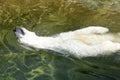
column 90, row 41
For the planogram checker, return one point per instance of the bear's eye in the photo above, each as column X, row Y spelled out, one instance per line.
column 22, row 32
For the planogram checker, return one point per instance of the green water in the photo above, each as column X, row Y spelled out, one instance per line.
column 49, row 18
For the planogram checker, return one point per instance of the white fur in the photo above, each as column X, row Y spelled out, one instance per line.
column 90, row 41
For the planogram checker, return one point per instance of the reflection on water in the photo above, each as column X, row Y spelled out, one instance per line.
column 48, row 18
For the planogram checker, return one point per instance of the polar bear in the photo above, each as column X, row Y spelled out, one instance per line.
column 89, row 41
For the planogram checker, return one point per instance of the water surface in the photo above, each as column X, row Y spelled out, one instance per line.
column 50, row 18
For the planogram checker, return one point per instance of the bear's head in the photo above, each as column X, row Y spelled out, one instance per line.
column 21, row 32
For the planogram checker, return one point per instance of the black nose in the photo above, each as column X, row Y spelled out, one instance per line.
column 19, row 30
column 14, row 30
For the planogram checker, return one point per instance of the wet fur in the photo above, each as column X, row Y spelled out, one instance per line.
column 89, row 41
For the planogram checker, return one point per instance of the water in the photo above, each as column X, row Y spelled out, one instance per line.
column 49, row 18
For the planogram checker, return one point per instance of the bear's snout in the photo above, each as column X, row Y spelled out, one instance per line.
column 19, row 30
